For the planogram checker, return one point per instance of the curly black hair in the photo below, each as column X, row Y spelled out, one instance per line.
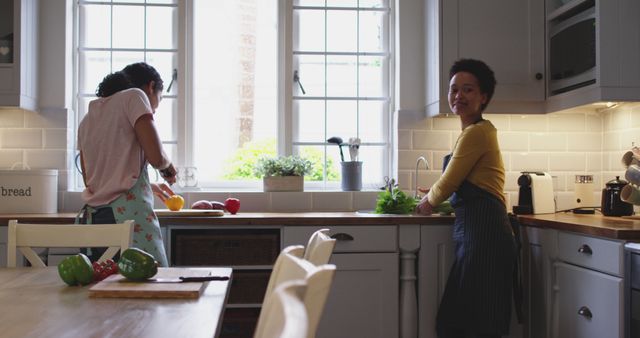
column 135, row 75
column 482, row 72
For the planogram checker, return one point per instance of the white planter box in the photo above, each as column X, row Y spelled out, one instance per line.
column 283, row 183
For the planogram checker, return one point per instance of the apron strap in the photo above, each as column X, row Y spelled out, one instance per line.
column 87, row 213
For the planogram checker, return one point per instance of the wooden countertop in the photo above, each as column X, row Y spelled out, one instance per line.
column 597, row 225
column 260, row 218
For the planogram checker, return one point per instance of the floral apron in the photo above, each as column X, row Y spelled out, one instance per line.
column 137, row 205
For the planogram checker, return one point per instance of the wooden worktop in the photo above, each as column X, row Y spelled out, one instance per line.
column 261, row 218
column 597, row 225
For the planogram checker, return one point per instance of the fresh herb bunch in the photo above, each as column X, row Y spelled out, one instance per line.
column 394, row 201
column 282, row 166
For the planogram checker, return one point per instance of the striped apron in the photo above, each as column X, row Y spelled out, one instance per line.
column 477, row 296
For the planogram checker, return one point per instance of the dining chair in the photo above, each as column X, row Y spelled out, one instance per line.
column 25, row 236
column 319, row 247
column 295, row 250
column 285, row 315
column 318, row 279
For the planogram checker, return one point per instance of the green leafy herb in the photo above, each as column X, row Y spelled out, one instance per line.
column 444, row 208
column 282, row 166
column 394, row 201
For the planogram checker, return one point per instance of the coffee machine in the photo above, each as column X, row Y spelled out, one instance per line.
column 535, row 194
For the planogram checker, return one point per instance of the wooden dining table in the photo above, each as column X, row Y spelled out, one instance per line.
column 37, row 303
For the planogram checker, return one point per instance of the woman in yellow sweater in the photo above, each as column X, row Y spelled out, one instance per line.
column 477, row 298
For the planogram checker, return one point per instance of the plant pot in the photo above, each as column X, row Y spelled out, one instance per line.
column 283, row 183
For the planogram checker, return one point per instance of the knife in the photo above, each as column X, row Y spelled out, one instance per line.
column 183, row 279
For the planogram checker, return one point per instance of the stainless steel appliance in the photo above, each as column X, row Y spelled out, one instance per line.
column 572, row 49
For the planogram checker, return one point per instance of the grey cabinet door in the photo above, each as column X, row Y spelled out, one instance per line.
column 534, row 286
column 506, row 34
column 363, row 301
column 589, row 303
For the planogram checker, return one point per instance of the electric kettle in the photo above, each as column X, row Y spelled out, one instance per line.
column 611, row 204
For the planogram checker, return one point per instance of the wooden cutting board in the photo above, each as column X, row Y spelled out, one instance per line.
column 116, row 286
column 189, row 212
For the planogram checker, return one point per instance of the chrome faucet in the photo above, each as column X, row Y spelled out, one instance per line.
column 426, row 164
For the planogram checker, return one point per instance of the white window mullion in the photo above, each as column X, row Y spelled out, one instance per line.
column 185, row 99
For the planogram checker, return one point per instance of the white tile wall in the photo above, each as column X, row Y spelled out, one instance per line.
column 564, row 144
column 583, row 140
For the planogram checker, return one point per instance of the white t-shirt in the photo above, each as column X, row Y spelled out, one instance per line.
column 113, row 158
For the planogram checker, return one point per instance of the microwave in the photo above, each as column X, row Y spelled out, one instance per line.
column 572, row 52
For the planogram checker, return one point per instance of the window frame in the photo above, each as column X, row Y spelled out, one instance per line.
column 285, row 128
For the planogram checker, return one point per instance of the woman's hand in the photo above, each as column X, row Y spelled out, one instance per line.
column 162, row 190
column 423, row 207
column 169, row 174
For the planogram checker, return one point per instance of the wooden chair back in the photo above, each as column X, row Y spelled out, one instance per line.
column 320, row 247
column 295, row 250
column 25, row 236
column 285, row 315
column 317, row 278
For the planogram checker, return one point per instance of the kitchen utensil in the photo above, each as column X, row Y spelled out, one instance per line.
column 117, row 286
column 337, row 140
column 182, row 279
column 633, row 174
column 631, row 157
column 351, row 176
column 189, row 212
column 611, row 203
column 630, row 194
column 354, row 146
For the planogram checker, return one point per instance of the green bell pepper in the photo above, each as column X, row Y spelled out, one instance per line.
column 76, row 270
column 136, row 264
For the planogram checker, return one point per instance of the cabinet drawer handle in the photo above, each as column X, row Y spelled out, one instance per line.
column 585, row 249
column 585, row 312
column 341, row 236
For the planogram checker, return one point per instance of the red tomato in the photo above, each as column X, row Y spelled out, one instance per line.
column 232, row 205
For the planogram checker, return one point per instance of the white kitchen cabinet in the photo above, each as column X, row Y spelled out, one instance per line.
column 589, row 287
column 436, row 258
column 506, row 34
column 617, row 73
column 18, row 73
column 364, row 296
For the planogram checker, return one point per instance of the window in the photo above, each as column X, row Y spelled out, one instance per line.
column 235, row 97
column 340, row 60
column 113, row 34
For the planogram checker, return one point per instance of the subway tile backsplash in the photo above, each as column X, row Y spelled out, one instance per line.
column 564, row 144
column 580, row 141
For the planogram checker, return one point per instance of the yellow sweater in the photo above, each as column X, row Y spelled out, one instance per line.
column 476, row 158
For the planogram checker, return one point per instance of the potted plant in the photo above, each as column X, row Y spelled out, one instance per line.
column 283, row 173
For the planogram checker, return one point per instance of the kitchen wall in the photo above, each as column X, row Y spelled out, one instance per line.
column 574, row 142
column 579, row 141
